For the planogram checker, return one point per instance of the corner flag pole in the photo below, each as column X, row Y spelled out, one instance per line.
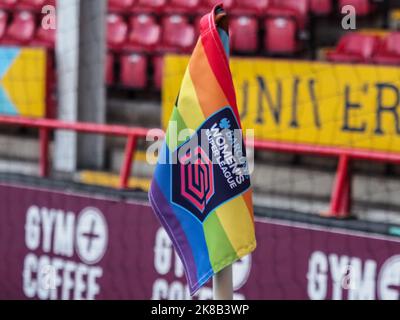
column 223, row 284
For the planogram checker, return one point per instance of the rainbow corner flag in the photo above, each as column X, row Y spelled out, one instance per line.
column 201, row 188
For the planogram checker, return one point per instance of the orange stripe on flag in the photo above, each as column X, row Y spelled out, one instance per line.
column 248, row 199
column 209, row 92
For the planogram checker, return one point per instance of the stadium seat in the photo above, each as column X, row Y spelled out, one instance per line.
column 362, row 7
column 8, row 4
column 45, row 38
column 280, row 36
column 178, row 34
column 389, row 51
column 109, row 69
column 183, row 6
column 21, row 30
column 149, row 6
column 158, row 65
column 3, row 23
column 32, row 4
column 228, row 4
column 244, row 34
column 321, row 7
column 145, row 33
column 290, row 9
column 133, row 71
column 120, row 5
column 355, row 47
column 251, row 6
column 117, row 31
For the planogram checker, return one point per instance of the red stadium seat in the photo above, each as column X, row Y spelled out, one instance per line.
column 362, row 7
column 45, row 38
column 183, row 6
column 389, row 51
column 228, row 4
column 149, row 6
column 120, row 5
column 158, row 66
column 21, row 29
column 3, row 23
column 109, row 69
column 251, row 6
column 321, row 7
column 32, row 4
column 117, row 31
column 244, row 34
column 280, row 36
column 355, row 47
column 178, row 34
column 134, row 71
column 8, row 4
column 291, row 9
column 145, row 33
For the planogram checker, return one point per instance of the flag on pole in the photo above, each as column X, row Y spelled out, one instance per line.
column 201, row 188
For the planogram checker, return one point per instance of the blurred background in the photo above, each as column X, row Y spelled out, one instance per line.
column 82, row 81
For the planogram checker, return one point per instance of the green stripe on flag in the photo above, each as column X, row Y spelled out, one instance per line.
column 220, row 249
column 175, row 126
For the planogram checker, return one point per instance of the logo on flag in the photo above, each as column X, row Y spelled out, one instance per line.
column 197, row 182
column 211, row 167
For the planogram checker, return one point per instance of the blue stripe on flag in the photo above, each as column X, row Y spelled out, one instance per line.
column 190, row 224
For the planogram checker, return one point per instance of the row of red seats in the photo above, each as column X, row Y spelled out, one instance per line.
column 241, row 7
column 321, row 7
column 134, row 70
column 364, row 48
column 143, row 33
column 24, row 28
column 35, row 5
column 200, row 6
column 353, row 48
column 175, row 33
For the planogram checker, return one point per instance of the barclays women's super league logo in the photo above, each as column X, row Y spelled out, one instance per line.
column 211, row 166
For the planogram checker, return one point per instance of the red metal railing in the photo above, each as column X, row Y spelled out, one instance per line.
column 340, row 205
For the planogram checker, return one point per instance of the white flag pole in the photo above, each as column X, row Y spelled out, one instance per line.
column 223, row 284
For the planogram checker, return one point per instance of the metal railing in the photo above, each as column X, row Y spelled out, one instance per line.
column 340, row 203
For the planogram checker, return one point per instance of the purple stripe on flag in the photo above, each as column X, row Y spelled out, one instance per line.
column 173, row 228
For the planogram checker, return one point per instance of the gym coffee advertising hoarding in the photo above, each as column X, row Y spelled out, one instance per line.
column 67, row 246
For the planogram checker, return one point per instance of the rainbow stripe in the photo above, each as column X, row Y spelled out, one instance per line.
column 227, row 234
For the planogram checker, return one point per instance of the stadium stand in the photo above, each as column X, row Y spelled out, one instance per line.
column 154, row 27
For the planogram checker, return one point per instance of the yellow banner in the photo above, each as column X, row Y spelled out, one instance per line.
column 355, row 106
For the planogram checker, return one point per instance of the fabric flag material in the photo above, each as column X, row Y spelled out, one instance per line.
column 201, row 188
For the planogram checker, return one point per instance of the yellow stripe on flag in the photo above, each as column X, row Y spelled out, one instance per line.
column 188, row 104
column 237, row 223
